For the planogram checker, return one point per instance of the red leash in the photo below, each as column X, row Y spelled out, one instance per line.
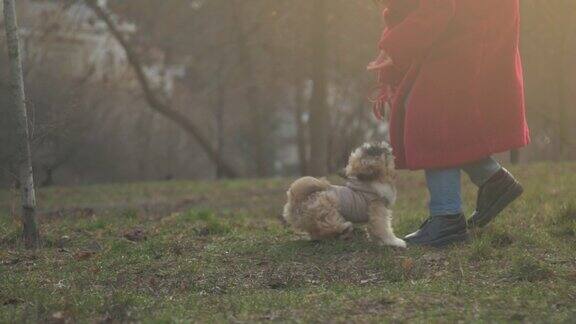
column 382, row 95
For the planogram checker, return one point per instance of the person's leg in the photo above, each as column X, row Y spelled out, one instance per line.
column 497, row 189
column 481, row 171
column 444, row 188
column 446, row 223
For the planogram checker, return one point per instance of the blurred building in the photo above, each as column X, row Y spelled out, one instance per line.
column 68, row 39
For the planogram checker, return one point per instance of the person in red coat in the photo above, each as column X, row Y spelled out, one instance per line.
column 452, row 72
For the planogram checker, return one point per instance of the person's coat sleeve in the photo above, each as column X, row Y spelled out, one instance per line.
column 412, row 37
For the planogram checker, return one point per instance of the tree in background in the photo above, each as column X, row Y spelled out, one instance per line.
column 548, row 50
column 155, row 101
column 254, row 76
column 319, row 127
column 30, row 231
column 264, row 59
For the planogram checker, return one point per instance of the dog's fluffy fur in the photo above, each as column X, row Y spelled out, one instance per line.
column 313, row 208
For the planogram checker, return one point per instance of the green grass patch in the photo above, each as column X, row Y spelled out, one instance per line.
column 218, row 252
column 528, row 268
column 563, row 225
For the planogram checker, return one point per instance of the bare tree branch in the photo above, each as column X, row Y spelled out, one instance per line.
column 152, row 98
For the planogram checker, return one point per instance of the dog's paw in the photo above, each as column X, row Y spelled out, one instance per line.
column 395, row 242
column 348, row 232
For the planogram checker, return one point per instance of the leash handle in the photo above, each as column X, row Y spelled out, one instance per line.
column 383, row 95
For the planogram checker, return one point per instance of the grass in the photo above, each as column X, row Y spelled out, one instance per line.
column 217, row 252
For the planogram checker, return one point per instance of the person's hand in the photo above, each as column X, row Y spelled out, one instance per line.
column 379, row 103
column 381, row 61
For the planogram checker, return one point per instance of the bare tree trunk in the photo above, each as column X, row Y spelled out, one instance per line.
column 562, row 88
column 319, row 116
column 219, row 120
column 49, row 178
column 143, row 132
column 301, row 130
column 154, row 101
column 258, row 120
column 30, row 232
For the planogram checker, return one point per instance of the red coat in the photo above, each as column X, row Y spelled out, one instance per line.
column 461, row 97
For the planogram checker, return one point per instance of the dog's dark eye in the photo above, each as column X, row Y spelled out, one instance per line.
column 375, row 151
column 367, row 177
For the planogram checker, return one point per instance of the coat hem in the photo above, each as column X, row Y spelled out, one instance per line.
column 458, row 158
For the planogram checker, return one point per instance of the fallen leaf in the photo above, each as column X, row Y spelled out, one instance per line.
column 84, row 255
column 408, row 264
column 58, row 315
column 135, row 234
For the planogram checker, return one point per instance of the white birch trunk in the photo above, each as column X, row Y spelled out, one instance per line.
column 30, row 230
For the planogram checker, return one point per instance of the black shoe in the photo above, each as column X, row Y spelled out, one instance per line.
column 493, row 196
column 441, row 230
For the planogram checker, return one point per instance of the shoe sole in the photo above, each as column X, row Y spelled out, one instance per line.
column 445, row 241
column 512, row 193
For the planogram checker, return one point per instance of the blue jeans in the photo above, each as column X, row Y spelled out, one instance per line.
column 444, row 185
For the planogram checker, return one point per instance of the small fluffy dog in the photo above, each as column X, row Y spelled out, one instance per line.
column 327, row 211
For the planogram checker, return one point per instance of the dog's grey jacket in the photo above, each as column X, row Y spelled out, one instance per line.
column 355, row 197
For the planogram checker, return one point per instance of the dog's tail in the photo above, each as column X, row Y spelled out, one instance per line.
column 299, row 191
column 304, row 187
